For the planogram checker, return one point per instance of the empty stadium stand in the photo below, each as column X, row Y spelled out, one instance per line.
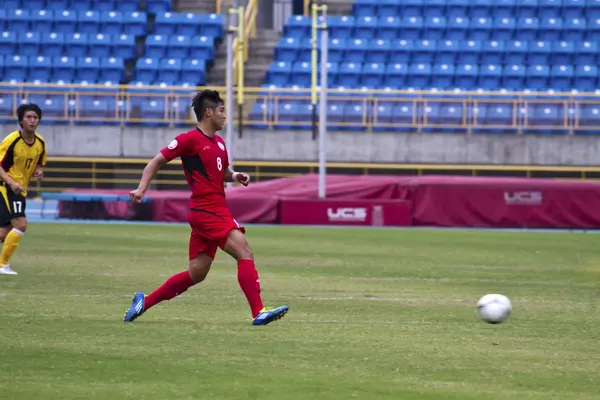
column 395, row 64
column 58, row 45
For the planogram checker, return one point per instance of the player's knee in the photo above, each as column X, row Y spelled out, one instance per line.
column 20, row 224
column 199, row 268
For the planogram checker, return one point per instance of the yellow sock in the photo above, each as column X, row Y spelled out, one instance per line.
column 10, row 245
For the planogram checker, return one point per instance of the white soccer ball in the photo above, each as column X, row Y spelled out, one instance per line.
column 494, row 308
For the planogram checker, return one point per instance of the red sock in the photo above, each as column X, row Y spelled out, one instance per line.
column 250, row 284
column 174, row 286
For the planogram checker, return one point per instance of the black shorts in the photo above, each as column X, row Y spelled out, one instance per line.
column 11, row 205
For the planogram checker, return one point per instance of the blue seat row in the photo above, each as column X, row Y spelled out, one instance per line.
column 478, row 8
column 69, row 45
column 189, row 24
column 171, row 70
column 453, row 28
column 158, row 46
column 106, row 22
column 403, row 115
column 152, row 6
column 446, row 51
column 67, row 69
column 441, row 76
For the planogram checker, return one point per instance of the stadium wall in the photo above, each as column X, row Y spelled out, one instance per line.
column 114, row 141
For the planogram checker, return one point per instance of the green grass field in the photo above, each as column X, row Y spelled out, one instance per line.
column 374, row 314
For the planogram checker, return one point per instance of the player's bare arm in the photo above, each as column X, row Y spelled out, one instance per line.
column 16, row 187
column 241, row 177
column 150, row 170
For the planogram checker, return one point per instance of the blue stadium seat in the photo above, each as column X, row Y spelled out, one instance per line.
column 587, row 53
column 389, row 27
column 540, row 52
column 504, row 28
column 337, row 48
column 574, row 8
column 550, row 29
column 401, row 51
column 135, row 23
column 349, row 74
column 586, row 77
column 189, row 25
column 65, row 21
column 80, row 5
column 157, row 6
column 112, row 69
column 458, row 28
column 193, row 71
column 412, row 7
column 410, row 27
column 341, row 27
column 29, row 43
column 146, row 69
column 424, row 51
column 492, row 52
column 373, row 74
column 419, row 75
column 435, row 27
column 287, row 49
column 592, row 9
column 178, row 46
column 124, row 47
column 100, row 45
column 18, row 20
column 516, row 52
column 481, row 28
column 470, row 52
column 447, row 52
column 88, row 22
column 76, row 45
column 52, row 44
column 301, row 71
column 111, row 22
column 396, row 74
column 203, row 47
column 538, row 77
column 443, row 76
column 105, row 5
column 156, row 46
column 356, row 50
column 279, row 72
column 434, row 8
column 528, row 8
column 64, row 69
column 528, row 28
column 561, row 77
column 574, row 29
column 212, row 25
column 170, row 70
column 466, row 75
column 366, row 27
column 166, row 23
column 562, row 53
column 41, row 21
column 365, row 8
column 87, row 69
column 15, row 67
column 514, row 76
column 481, row 9
column 504, row 8
column 40, row 68
column 378, row 51
column 298, row 27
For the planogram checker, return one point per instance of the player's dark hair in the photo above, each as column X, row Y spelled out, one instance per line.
column 204, row 100
column 23, row 108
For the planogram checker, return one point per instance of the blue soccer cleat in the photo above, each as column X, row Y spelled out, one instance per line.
column 137, row 307
column 269, row 315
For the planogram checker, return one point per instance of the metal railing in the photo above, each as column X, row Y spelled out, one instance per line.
column 373, row 110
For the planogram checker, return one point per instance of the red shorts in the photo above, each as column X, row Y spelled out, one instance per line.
column 210, row 231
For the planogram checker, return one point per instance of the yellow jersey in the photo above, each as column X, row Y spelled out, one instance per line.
column 19, row 158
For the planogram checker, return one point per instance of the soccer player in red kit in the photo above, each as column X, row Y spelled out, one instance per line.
column 206, row 166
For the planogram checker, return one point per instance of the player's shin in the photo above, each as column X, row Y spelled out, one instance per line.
column 250, row 284
column 10, row 245
column 174, row 286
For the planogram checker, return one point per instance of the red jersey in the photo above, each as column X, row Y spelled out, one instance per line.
column 204, row 161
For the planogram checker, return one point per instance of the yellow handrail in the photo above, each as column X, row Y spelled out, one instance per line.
column 307, row 7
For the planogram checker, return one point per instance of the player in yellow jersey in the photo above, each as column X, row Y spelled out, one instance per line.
column 22, row 156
